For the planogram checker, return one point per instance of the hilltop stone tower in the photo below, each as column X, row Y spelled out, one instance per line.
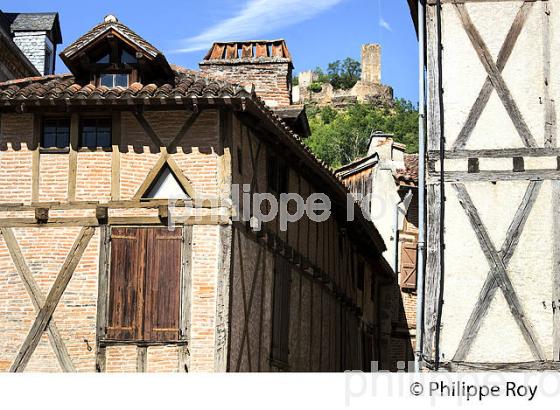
column 367, row 89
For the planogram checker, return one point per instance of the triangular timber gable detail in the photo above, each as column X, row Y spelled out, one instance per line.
column 164, row 161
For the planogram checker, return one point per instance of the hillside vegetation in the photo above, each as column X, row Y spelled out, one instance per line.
column 341, row 136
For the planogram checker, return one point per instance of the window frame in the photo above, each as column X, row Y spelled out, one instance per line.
column 114, row 76
column 81, row 146
column 277, row 174
column 144, row 313
column 54, row 149
column 281, row 301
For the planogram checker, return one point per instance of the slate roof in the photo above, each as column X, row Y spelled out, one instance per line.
column 103, row 27
column 35, row 22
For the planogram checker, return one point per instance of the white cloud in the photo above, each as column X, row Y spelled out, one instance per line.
column 384, row 24
column 256, row 18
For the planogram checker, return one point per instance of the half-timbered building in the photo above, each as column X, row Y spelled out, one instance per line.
column 99, row 271
column 385, row 182
column 492, row 264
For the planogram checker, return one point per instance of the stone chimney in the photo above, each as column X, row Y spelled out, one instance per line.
column 266, row 64
column 36, row 35
column 371, row 63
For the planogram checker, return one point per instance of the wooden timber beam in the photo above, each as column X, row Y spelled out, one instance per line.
column 494, row 72
column 500, row 367
column 41, row 215
column 496, row 153
column 527, row 175
column 211, row 219
column 204, row 203
column 36, row 157
column 487, row 88
column 73, row 156
column 37, row 298
column 499, row 270
column 183, row 131
column 148, row 129
column 51, row 302
column 116, row 157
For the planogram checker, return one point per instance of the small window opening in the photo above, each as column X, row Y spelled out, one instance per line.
column 95, row 133
column 114, row 80
column 56, row 133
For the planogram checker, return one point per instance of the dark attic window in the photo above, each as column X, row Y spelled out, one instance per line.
column 56, row 133
column 115, row 68
column 95, row 133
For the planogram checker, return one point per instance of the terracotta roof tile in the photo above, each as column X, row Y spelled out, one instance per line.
column 410, row 172
column 98, row 30
column 63, row 86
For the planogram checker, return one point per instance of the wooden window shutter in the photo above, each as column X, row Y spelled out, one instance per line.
column 163, row 273
column 281, row 310
column 125, row 284
column 408, row 265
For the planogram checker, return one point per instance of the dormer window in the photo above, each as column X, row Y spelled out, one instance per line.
column 112, row 55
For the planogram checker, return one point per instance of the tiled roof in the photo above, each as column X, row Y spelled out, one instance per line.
column 100, row 29
column 410, row 172
column 63, row 86
column 35, row 22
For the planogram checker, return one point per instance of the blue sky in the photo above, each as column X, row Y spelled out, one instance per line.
column 317, row 31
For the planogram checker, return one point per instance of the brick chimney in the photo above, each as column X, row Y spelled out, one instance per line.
column 371, row 63
column 266, row 64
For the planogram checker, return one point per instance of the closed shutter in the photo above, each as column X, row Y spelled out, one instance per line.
column 281, row 310
column 163, row 272
column 144, row 284
column 125, row 284
column 408, row 265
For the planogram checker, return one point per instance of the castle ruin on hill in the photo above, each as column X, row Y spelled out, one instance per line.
column 368, row 89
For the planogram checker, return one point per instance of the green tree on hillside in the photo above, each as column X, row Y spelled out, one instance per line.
column 340, row 74
column 340, row 137
column 344, row 74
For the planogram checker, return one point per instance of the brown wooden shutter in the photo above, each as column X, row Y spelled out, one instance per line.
column 408, row 265
column 281, row 310
column 163, row 273
column 125, row 284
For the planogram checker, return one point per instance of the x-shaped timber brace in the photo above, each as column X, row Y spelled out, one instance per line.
column 494, row 81
column 498, row 277
column 47, row 306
